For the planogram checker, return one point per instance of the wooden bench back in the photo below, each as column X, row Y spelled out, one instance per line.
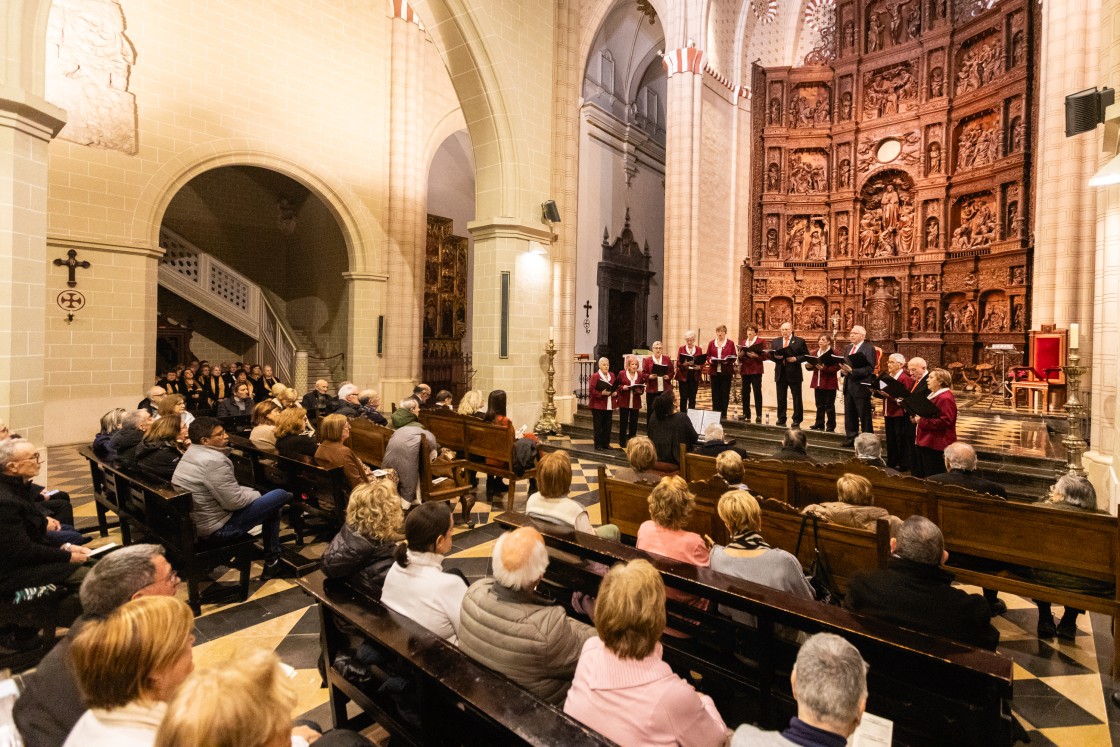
column 456, row 697
column 368, row 440
column 322, row 491
column 449, row 428
column 964, row 693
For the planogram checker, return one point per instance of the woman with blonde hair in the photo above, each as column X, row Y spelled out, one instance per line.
column 670, row 506
column 333, row 452
column 622, row 688
column 291, row 440
column 642, row 455
column 128, row 665
column 362, row 551
column 854, row 505
column 551, row 501
column 473, row 404
column 276, row 394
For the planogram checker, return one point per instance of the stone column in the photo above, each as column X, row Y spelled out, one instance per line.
column 685, row 68
column 406, row 219
column 299, row 376
column 366, row 302
column 565, row 179
column 500, row 246
column 27, row 125
column 1062, row 285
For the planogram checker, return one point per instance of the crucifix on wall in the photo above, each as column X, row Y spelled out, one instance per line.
column 587, row 317
column 72, row 264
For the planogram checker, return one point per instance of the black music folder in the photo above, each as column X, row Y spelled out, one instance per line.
column 660, row 369
column 859, row 360
column 915, row 404
column 828, row 358
column 603, row 385
column 695, row 360
column 759, row 348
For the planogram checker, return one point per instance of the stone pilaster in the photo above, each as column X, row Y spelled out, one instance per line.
column 27, row 125
column 366, row 299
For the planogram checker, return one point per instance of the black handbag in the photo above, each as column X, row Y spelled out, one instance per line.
column 818, row 573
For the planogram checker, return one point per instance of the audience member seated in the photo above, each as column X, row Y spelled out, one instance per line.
column 133, row 427
column 151, row 402
column 642, row 455
column 960, row 463
column 362, row 551
column 1070, row 493
column 318, row 402
column 422, row 393
column 111, row 422
column 853, row 507
column 223, row 509
column 163, row 446
column 728, row 476
column 525, row 447
column 551, row 503
column 670, row 506
column 128, row 665
column 292, row 440
column 276, row 395
column 512, row 630
column 747, row 555
column 473, row 404
column 914, row 591
column 402, row 453
column 794, row 447
column 51, row 703
column 333, row 452
column 170, row 381
column 829, row 683
column 416, row 585
column 289, row 398
column 622, row 687
column 192, row 391
column 244, row 702
column 668, row 428
column 442, row 401
column 270, row 381
column 239, row 405
column 369, row 400
column 348, row 402
column 869, row 451
column 29, row 557
column 213, row 387
column 257, row 384
column 713, row 443
column 265, row 417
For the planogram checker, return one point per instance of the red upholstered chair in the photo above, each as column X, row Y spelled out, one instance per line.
column 1044, row 375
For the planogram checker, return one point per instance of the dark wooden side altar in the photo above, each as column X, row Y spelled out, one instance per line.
column 892, row 173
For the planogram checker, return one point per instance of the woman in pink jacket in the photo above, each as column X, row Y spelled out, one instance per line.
column 622, row 689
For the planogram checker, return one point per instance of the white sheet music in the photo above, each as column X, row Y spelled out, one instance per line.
column 873, row 731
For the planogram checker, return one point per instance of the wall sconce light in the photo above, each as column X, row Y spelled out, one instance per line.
column 549, row 211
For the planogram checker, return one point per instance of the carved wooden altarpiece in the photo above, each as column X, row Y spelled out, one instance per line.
column 445, row 366
column 893, row 182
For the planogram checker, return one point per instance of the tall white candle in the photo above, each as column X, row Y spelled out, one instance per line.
column 1073, row 335
column 550, row 336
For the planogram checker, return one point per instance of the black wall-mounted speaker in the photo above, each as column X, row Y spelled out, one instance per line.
column 551, row 214
column 1085, row 109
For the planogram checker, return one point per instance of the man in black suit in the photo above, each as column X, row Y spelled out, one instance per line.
column 859, row 371
column 960, row 460
column 787, row 372
column 919, row 372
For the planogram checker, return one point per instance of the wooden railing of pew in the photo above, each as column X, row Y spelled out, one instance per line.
column 487, row 447
column 457, row 700
column 1010, row 534
column 162, row 512
column 936, row 691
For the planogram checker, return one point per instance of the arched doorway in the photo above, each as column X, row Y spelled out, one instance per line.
column 253, row 266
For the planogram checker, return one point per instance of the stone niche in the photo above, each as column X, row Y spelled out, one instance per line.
column 892, row 187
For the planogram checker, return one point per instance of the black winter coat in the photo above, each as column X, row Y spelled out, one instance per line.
column 359, row 560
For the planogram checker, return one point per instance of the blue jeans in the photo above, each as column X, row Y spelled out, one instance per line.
column 265, row 511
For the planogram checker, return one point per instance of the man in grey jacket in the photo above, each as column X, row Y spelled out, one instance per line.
column 223, row 509
column 402, row 453
column 509, row 628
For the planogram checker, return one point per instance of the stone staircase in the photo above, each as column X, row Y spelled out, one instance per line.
column 317, row 368
column 1025, row 477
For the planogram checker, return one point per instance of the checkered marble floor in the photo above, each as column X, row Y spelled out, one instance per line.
column 1061, row 688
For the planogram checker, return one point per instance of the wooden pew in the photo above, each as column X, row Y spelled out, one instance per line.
column 935, row 690
column 847, row 550
column 458, row 700
column 488, row 447
column 1077, row 543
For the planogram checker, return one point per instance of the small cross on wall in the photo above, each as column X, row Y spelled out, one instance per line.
column 71, row 263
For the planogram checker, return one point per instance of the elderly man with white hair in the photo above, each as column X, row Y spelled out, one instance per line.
column 829, row 683
column 859, row 372
column 348, row 402
column 960, row 460
column 505, row 625
column 900, row 431
column 869, row 451
column 714, row 445
column 151, row 402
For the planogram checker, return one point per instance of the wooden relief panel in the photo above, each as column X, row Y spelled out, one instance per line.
column 893, row 186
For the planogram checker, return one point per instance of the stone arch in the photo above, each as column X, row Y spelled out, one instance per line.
column 354, row 220
column 23, row 59
column 590, row 28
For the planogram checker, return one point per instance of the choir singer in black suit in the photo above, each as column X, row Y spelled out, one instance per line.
column 788, row 352
column 859, row 373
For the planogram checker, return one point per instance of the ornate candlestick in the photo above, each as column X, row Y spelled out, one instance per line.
column 1075, row 445
column 547, row 422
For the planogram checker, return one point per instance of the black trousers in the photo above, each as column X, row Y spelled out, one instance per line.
column 857, row 414
column 826, row 408
column 752, row 383
column 898, row 446
column 602, row 422
column 721, row 393
column 688, row 389
column 627, row 425
column 930, row 462
column 794, row 390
